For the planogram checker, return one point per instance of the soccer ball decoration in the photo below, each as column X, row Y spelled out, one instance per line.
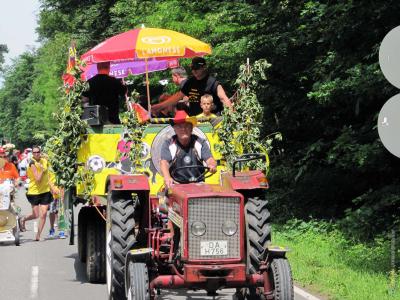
column 96, row 163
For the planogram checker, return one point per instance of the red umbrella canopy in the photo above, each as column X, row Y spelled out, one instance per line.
column 146, row 43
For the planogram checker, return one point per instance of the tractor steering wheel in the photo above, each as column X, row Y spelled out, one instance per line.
column 205, row 174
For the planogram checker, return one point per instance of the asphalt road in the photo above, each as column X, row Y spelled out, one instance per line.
column 50, row 269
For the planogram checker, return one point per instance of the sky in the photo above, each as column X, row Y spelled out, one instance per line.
column 18, row 20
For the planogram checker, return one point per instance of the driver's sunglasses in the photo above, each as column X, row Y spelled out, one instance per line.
column 3, row 156
column 36, row 152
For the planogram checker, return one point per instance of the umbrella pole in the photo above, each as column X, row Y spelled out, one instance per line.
column 148, row 88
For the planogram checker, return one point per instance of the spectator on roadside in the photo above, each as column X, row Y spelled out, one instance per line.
column 206, row 104
column 7, row 169
column 24, row 163
column 196, row 86
column 14, row 158
column 38, row 194
column 105, row 90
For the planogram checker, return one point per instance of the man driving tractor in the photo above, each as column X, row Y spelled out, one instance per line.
column 185, row 149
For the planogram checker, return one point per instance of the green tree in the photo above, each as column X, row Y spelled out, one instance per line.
column 16, row 90
column 323, row 92
column 3, row 50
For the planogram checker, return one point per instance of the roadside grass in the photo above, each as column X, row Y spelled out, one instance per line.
column 323, row 260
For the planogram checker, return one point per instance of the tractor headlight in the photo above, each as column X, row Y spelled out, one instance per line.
column 96, row 163
column 198, row 228
column 229, row 227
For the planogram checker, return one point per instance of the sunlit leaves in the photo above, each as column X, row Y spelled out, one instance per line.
column 63, row 146
column 240, row 129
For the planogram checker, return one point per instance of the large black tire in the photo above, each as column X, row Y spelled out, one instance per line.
column 281, row 277
column 82, row 224
column 96, row 250
column 120, row 239
column 258, row 231
column 258, row 236
column 138, row 282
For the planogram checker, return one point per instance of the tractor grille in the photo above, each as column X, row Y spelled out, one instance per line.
column 214, row 212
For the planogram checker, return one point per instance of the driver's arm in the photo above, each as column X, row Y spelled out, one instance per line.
column 164, row 165
column 212, row 164
column 207, row 157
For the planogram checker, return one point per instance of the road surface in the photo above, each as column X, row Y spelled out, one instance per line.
column 50, row 270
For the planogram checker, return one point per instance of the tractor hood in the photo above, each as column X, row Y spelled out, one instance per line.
column 195, row 190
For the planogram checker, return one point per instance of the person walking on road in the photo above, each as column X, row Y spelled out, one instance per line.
column 38, row 194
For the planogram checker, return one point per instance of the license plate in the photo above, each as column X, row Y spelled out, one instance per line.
column 211, row 248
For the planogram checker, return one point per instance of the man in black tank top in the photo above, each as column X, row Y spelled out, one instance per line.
column 185, row 149
column 196, row 86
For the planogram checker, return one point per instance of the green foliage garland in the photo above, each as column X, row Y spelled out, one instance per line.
column 239, row 131
column 62, row 148
column 135, row 131
column 86, row 178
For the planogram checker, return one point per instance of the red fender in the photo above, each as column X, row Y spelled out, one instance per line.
column 138, row 182
column 249, row 180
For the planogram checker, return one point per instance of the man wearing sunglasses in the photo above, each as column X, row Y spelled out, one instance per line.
column 7, row 169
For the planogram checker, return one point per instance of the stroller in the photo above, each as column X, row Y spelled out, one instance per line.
column 9, row 213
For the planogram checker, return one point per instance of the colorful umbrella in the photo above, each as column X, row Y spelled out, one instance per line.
column 146, row 43
column 125, row 68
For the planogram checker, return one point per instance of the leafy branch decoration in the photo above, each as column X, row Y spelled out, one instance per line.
column 63, row 147
column 239, row 131
column 135, row 133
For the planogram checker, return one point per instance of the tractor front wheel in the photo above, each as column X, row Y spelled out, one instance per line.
column 138, row 287
column 280, row 276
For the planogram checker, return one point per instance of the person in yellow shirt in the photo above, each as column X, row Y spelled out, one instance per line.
column 38, row 193
column 207, row 105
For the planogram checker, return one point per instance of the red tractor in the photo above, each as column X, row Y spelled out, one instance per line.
column 195, row 235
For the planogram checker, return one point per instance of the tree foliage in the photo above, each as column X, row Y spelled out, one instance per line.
column 62, row 146
column 3, row 50
column 323, row 90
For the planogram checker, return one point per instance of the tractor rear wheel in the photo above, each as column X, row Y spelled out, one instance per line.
column 281, row 276
column 258, row 236
column 120, row 239
column 82, row 224
column 138, row 282
column 95, row 250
